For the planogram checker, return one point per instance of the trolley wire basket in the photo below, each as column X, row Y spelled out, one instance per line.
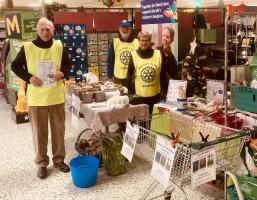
column 195, row 135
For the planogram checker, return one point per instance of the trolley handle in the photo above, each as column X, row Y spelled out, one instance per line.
column 242, row 133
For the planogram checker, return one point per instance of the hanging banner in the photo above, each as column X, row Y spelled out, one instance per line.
column 13, row 25
column 158, row 12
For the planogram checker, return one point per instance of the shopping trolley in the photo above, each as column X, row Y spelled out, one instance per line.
column 195, row 135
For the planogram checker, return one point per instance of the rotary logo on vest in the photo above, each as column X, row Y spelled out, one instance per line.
column 124, row 57
column 148, row 74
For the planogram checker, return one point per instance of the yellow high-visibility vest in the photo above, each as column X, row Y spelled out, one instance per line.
column 147, row 74
column 44, row 96
column 122, row 52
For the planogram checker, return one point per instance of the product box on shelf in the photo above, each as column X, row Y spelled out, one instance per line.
column 92, row 50
column 79, row 41
column 102, row 36
column 91, row 39
column 79, row 62
column 94, row 70
column 79, row 29
column 92, row 59
column 71, row 52
column 68, row 29
column 245, row 98
column 103, row 48
column 103, row 58
column 80, row 51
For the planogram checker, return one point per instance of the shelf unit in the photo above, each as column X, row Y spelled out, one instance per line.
column 2, row 33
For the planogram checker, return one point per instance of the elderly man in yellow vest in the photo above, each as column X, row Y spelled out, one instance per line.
column 119, row 53
column 145, row 72
column 43, row 64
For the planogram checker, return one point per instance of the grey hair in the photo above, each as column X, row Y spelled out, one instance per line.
column 44, row 21
column 145, row 34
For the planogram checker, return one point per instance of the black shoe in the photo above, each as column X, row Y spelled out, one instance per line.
column 42, row 172
column 62, row 167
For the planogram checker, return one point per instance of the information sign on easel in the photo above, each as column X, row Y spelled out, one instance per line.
column 215, row 91
column 173, row 90
column 75, row 102
column 163, row 161
column 131, row 135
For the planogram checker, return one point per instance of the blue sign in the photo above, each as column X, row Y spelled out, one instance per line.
column 158, row 11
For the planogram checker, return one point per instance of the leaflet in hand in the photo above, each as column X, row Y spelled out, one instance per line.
column 45, row 71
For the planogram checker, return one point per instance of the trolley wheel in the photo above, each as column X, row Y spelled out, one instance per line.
column 167, row 195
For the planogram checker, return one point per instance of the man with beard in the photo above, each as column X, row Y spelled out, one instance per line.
column 119, row 53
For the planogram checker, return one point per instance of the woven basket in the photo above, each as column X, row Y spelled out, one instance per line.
column 84, row 148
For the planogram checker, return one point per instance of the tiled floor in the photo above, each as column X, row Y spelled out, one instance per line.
column 18, row 172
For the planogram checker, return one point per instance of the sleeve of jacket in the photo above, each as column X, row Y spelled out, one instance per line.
column 66, row 64
column 110, row 61
column 19, row 66
column 130, row 76
column 172, row 68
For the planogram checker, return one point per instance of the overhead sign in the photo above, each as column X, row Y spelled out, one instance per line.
column 158, row 12
column 30, row 25
column 13, row 25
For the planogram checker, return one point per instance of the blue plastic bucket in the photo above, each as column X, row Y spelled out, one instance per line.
column 84, row 170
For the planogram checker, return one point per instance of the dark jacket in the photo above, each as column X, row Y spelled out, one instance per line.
column 171, row 70
column 111, row 54
column 19, row 65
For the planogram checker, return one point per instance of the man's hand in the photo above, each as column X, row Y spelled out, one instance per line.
column 34, row 80
column 58, row 75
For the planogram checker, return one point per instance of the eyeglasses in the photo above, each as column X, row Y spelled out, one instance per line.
column 144, row 41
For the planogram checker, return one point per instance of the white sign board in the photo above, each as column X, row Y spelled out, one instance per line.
column 163, row 161
column 173, row 90
column 45, row 71
column 215, row 91
column 130, row 141
column 203, row 167
column 75, row 102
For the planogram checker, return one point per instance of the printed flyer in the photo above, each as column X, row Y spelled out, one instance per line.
column 75, row 102
column 163, row 161
column 130, row 140
column 45, row 71
column 203, row 167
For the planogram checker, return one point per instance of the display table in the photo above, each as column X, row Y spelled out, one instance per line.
column 99, row 118
column 166, row 120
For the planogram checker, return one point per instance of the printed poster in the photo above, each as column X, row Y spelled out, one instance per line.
column 174, row 90
column 45, row 71
column 215, row 91
column 75, row 102
column 203, row 167
column 163, row 161
column 130, row 141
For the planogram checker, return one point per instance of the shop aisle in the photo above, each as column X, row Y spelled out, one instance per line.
column 18, row 172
